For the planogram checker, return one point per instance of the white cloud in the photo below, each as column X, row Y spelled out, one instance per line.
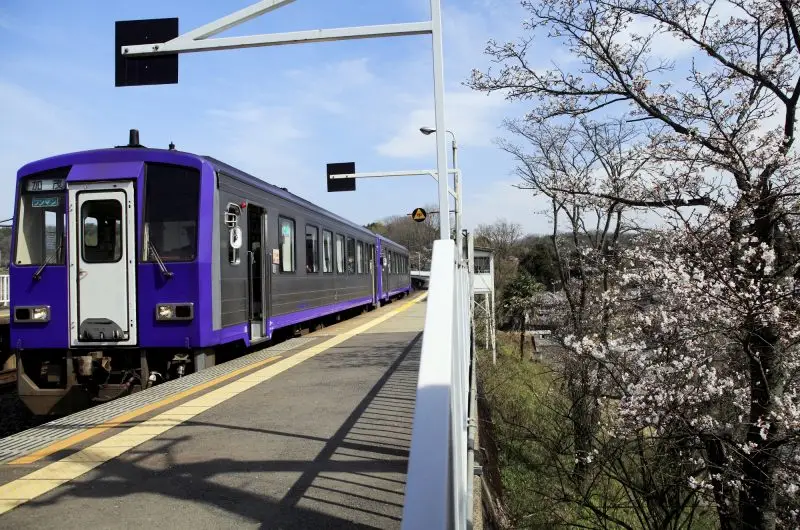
column 473, row 117
column 666, row 45
column 261, row 139
column 35, row 128
column 326, row 87
column 500, row 199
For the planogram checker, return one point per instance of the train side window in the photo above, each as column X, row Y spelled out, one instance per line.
column 287, row 244
column 327, row 251
column 340, row 253
column 351, row 255
column 360, row 257
column 312, row 248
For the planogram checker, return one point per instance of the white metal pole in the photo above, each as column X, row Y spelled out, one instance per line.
column 488, row 320
column 494, row 336
column 438, row 95
column 459, row 203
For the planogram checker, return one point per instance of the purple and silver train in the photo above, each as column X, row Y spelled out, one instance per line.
column 133, row 265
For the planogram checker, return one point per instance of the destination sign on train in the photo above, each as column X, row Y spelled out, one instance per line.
column 45, row 184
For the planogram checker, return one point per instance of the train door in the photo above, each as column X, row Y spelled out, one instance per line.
column 384, row 273
column 371, row 259
column 102, row 264
column 258, row 273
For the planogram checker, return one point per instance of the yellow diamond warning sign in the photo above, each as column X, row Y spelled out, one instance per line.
column 419, row 215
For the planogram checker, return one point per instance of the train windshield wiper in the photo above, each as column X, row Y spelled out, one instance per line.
column 53, row 257
column 166, row 272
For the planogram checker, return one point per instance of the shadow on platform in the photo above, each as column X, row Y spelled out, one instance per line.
column 356, row 481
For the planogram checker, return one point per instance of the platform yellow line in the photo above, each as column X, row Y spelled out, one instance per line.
column 119, row 421
column 48, row 478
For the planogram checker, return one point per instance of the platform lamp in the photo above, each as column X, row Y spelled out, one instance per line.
column 457, row 183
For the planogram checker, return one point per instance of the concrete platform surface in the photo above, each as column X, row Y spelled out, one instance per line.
column 321, row 444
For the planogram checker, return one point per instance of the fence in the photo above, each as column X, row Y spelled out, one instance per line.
column 439, row 482
column 5, row 292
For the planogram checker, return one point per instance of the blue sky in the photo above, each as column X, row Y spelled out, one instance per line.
column 280, row 113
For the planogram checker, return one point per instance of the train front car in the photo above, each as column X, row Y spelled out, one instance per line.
column 106, row 272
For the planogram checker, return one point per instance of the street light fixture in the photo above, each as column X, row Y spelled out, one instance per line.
column 457, row 184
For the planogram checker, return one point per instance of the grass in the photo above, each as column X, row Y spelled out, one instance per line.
column 534, row 451
column 520, row 395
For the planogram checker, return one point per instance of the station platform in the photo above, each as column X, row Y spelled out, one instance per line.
column 310, row 433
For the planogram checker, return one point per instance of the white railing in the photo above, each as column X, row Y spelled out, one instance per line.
column 5, row 292
column 439, row 482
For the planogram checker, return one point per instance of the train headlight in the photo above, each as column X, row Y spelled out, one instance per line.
column 40, row 314
column 165, row 312
column 181, row 311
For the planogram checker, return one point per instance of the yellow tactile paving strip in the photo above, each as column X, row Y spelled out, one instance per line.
column 46, row 479
column 120, row 421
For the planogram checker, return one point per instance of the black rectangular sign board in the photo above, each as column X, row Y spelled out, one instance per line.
column 147, row 70
column 341, row 168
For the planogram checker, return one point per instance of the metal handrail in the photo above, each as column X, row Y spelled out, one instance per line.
column 438, row 487
column 5, row 290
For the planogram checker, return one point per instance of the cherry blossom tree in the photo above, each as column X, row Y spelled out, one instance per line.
column 712, row 356
column 580, row 167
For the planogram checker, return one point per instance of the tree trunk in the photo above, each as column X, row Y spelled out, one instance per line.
column 584, row 416
column 757, row 500
column 522, row 338
column 718, row 462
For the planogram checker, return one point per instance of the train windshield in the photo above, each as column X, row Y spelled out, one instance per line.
column 41, row 219
column 172, row 197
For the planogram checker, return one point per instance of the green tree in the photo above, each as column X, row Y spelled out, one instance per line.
column 519, row 300
column 5, row 247
column 540, row 262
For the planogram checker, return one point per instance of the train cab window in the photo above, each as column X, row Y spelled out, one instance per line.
column 101, row 231
column 351, row 255
column 360, row 257
column 172, row 204
column 41, row 219
column 339, row 254
column 286, row 244
column 312, row 248
column 327, row 251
